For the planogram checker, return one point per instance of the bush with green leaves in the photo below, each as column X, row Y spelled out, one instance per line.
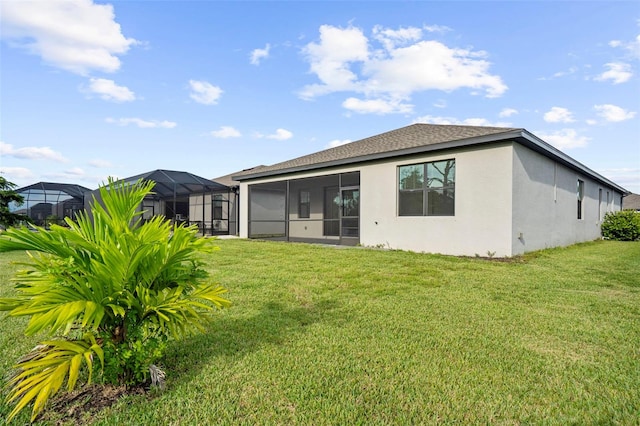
column 622, row 226
column 109, row 285
column 9, row 195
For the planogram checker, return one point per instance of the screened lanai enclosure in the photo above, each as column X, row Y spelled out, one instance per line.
column 322, row 209
column 47, row 203
column 183, row 197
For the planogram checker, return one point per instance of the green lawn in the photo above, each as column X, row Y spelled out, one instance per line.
column 321, row 335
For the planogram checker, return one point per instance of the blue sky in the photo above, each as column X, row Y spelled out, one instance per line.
column 96, row 89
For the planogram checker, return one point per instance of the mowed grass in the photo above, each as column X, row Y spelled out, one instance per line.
column 321, row 335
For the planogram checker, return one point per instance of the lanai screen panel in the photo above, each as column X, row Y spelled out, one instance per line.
column 267, row 210
column 314, row 205
column 45, row 200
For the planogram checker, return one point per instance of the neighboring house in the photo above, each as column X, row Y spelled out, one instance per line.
column 186, row 198
column 47, row 201
column 229, row 203
column 461, row 190
column 631, row 202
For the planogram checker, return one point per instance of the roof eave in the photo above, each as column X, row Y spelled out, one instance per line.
column 535, row 143
column 521, row 136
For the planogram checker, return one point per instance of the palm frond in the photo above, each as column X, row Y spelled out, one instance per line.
column 40, row 375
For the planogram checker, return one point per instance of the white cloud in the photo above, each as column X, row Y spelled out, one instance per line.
column 31, row 153
column 618, row 72
column 558, row 115
column 376, row 106
column 74, row 174
column 226, row 132
column 392, row 65
column 75, row 171
column 564, row 139
column 429, row 119
column 110, row 91
column 632, row 47
column 570, row 71
column 613, row 113
column 507, row 112
column 330, row 60
column 204, row 92
column 258, row 54
column 280, row 135
column 440, row 103
column 437, row 28
column 392, row 38
column 13, row 173
column 338, row 142
column 628, row 177
column 74, row 35
column 100, row 164
column 144, row 124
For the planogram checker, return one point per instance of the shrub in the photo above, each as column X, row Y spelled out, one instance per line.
column 108, row 286
column 622, row 226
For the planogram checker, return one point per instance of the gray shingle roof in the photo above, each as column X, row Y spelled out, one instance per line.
column 395, row 142
column 420, row 138
column 228, row 180
column 631, row 202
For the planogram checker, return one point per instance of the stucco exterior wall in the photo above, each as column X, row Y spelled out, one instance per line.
column 545, row 203
column 243, row 200
column 508, row 200
column 482, row 221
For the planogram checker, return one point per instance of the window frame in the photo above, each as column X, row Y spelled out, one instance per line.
column 580, row 196
column 304, row 207
column 426, row 190
column 217, row 204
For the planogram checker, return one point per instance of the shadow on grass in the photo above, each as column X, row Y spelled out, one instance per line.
column 235, row 337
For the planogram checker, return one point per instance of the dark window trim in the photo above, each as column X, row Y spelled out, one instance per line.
column 580, row 197
column 425, row 190
column 304, row 208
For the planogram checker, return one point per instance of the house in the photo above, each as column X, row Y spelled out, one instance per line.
column 460, row 190
column 631, row 202
column 185, row 198
column 233, row 202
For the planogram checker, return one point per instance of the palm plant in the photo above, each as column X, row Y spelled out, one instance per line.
column 108, row 286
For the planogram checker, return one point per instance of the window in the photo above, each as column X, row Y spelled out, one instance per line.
column 304, row 204
column 580, row 197
column 217, row 207
column 427, row 189
column 600, row 205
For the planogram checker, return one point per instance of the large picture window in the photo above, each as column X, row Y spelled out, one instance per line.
column 427, row 189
